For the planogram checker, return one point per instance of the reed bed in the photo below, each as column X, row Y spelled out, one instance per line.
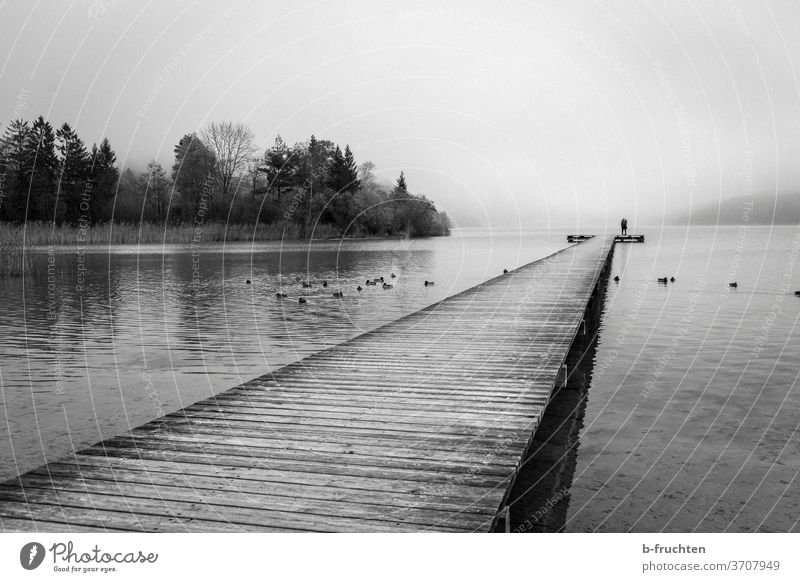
column 14, row 261
column 37, row 234
column 18, row 240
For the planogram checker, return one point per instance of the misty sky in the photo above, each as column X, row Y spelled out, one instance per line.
column 535, row 113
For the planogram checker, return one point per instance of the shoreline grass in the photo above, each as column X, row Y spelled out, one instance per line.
column 39, row 234
column 14, row 261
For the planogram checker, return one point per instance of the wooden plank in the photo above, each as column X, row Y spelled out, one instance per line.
column 418, row 425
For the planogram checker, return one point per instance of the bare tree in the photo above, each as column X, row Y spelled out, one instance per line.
column 232, row 146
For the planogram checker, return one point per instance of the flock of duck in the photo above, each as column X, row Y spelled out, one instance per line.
column 665, row 280
column 340, row 294
column 385, row 285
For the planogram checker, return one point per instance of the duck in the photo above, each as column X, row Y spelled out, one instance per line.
column 662, row 279
column 280, row 295
column 429, row 283
column 505, row 271
column 797, row 293
column 338, row 294
column 616, row 278
column 734, row 284
column 672, row 279
column 324, row 283
column 387, row 286
column 359, row 288
column 370, row 282
column 381, row 279
column 247, row 282
column 302, row 300
column 306, row 285
column 393, row 276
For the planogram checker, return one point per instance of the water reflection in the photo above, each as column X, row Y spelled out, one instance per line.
column 539, row 500
column 691, row 421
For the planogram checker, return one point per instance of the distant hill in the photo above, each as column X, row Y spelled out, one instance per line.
column 760, row 209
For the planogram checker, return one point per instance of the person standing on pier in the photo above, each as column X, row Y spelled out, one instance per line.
column 624, row 225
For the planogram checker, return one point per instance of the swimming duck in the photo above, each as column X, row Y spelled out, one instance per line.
column 734, row 284
column 387, row 286
column 359, row 288
column 370, row 282
column 393, row 275
column 324, row 283
column 429, row 283
column 662, row 279
column 672, row 279
column 280, row 295
column 505, row 271
column 616, row 278
column 247, row 282
column 797, row 293
column 302, row 300
column 381, row 279
column 338, row 294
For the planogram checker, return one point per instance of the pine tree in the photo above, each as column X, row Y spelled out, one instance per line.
column 43, row 170
column 351, row 170
column 337, row 177
column 400, row 186
column 279, row 167
column 14, row 167
column 74, row 183
column 104, row 176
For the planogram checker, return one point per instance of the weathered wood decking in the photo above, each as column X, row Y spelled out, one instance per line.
column 416, row 426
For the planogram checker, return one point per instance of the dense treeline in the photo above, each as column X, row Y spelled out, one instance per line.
column 51, row 176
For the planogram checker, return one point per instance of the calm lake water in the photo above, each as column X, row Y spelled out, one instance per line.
column 101, row 340
column 688, row 419
column 693, row 409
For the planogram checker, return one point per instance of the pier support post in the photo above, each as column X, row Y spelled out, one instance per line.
column 505, row 515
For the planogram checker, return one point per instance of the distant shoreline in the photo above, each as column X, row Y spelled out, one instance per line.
column 42, row 235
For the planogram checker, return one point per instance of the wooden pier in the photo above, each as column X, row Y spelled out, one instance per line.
column 419, row 425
